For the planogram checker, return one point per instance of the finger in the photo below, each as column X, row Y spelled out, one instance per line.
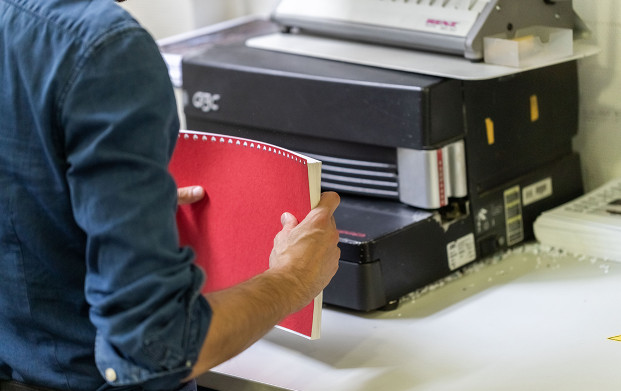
column 329, row 201
column 190, row 194
column 288, row 221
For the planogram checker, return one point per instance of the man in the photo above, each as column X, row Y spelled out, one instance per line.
column 96, row 293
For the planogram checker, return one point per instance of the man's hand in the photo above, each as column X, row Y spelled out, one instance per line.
column 190, row 194
column 309, row 251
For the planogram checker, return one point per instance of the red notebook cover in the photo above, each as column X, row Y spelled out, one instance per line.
column 248, row 185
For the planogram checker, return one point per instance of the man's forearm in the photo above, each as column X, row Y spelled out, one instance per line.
column 244, row 313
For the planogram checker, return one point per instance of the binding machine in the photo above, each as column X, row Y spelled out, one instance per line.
column 441, row 158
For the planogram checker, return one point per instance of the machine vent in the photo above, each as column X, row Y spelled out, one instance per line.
column 358, row 176
column 466, row 5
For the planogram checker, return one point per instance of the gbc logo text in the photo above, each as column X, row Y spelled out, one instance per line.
column 205, row 101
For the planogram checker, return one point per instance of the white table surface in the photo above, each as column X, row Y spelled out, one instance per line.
column 531, row 319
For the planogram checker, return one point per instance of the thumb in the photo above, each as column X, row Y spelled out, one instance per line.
column 288, row 220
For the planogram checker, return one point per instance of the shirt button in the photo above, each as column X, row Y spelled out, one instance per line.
column 110, row 375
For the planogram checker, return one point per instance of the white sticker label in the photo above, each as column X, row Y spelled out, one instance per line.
column 537, row 191
column 461, row 251
column 513, row 215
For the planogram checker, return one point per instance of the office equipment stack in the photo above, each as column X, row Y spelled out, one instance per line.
column 440, row 158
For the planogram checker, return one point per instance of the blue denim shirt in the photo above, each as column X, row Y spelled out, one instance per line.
column 94, row 286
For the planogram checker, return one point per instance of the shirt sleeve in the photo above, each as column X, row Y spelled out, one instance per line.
column 120, row 124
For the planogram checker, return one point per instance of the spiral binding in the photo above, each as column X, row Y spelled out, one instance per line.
column 242, row 142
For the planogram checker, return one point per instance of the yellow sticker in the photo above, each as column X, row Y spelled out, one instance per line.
column 534, row 108
column 489, row 126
